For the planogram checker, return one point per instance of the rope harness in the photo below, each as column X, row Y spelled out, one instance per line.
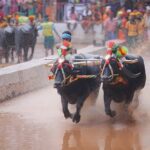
column 77, row 77
column 71, row 78
column 117, row 78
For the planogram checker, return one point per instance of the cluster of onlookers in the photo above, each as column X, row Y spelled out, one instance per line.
column 131, row 24
column 38, row 8
column 117, row 19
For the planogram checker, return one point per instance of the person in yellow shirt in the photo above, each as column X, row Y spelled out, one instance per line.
column 132, row 30
column 49, row 41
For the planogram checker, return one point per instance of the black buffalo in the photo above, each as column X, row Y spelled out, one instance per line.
column 75, row 91
column 25, row 38
column 121, row 80
column 7, row 42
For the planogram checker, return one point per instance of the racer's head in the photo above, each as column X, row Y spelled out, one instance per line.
column 66, row 35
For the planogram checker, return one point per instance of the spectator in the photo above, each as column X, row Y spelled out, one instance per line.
column 132, row 30
column 128, row 4
column 110, row 25
column 31, row 9
column 39, row 6
column 60, row 10
column 86, row 22
column 48, row 28
column 2, row 3
column 13, row 7
column 3, row 23
column 121, row 23
column 141, row 26
column 72, row 20
column 7, row 7
column 24, row 9
column 115, row 5
column 147, row 21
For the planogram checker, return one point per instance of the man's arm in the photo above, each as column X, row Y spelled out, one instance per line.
column 54, row 29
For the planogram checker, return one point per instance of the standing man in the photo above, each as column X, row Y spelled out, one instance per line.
column 132, row 30
column 48, row 28
column 147, row 22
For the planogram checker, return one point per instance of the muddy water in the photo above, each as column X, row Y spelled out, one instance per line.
column 35, row 121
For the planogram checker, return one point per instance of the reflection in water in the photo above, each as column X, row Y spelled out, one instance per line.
column 76, row 136
column 20, row 134
column 74, row 139
column 126, row 138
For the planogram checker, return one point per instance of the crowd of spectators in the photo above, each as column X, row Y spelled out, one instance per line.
column 38, row 8
column 128, row 21
column 118, row 19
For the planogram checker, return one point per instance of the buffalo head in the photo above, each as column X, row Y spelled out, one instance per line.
column 111, row 67
column 62, row 70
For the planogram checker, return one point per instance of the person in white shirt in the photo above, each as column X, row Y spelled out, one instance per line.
column 147, row 21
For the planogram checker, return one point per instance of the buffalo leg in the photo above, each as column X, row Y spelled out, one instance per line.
column 12, row 54
column 76, row 116
column 25, row 54
column 1, row 55
column 66, row 112
column 19, row 53
column 32, row 52
column 129, row 103
column 7, row 55
column 94, row 96
column 107, row 102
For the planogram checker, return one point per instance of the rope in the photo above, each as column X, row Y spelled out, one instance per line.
column 72, row 79
column 86, row 76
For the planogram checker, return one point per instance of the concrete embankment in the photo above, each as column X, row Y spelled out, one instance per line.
column 21, row 78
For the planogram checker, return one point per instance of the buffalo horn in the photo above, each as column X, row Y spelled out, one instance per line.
column 130, row 61
column 129, row 73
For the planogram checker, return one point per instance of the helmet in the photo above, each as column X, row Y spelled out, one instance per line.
column 66, row 35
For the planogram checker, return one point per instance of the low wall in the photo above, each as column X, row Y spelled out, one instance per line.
column 21, row 78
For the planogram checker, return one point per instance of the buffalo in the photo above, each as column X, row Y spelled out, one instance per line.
column 121, row 79
column 75, row 82
column 25, row 38
column 7, row 42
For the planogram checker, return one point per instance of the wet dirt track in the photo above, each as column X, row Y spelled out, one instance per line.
column 35, row 121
